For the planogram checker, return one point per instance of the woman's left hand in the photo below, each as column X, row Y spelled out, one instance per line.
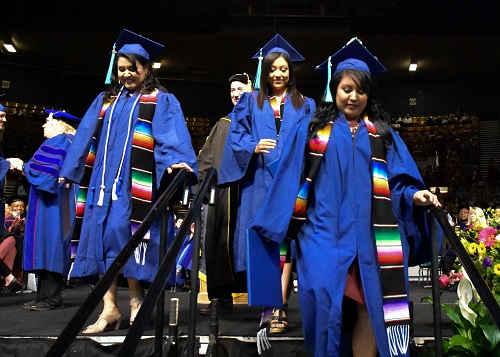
column 179, row 166
column 425, row 198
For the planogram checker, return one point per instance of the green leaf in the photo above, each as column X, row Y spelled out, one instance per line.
column 452, row 314
column 492, row 334
column 462, row 341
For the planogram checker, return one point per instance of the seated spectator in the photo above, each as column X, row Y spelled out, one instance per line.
column 8, row 254
column 17, row 213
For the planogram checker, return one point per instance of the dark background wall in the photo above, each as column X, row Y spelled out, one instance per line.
column 210, row 98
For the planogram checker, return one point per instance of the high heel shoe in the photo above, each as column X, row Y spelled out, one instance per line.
column 103, row 322
column 135, row 306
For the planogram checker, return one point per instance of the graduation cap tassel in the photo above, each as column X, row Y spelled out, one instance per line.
column 328, row 93
column 110, row 68
column 256, row 83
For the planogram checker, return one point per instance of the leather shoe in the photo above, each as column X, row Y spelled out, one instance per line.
column 224, row 307
column 8, row 288
column 44, row 306
column 28, row 305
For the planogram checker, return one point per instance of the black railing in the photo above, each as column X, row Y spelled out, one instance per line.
column 75, row 325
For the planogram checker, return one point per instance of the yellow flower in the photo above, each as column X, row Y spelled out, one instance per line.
column 472, row 248
column 496, row 269
column 481, row 249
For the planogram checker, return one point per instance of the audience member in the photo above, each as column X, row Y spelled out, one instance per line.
column 14, row 221
column 222, row 280
column 142, row 139
column 8, row 254
column 260, row 123
column 352, row 202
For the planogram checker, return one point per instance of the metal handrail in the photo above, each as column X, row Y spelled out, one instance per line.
column 75, row 325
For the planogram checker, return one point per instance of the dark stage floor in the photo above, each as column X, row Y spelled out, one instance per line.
column 31, row 333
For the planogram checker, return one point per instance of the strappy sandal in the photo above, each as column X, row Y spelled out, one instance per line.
column 279, row 323
column 103, row 322
column 135, row 305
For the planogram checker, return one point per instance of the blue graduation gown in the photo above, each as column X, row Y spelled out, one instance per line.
column 45, row 243
column 249, row 125
column 106, row 229
column 339, row 228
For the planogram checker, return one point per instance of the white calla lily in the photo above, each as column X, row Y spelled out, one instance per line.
column 465, row 292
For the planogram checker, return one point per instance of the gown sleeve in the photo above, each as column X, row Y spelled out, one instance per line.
column 172, row 139
column 42, row 170
column 74, row 164
column 404, row 181
column 239, row 145
column 211, row 152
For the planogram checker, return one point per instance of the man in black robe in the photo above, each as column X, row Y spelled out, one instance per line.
column 222, row 281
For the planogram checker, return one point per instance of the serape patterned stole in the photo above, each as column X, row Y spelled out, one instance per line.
column 389, row 250
column 317, row 147
column 142, row 166
column 142, row 161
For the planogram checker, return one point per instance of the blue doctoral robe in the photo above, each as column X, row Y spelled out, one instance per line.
column 339, row 228
column 106, row 229
column 248, row 126
column 46, row 245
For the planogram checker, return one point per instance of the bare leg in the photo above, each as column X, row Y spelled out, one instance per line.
column 110, row 298
column 279, row 320
column 285, row 281
column 363, row 339
column 136, row 294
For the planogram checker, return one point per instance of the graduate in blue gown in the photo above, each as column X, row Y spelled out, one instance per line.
column 361, row 211
column 51, row 209
column 141, row 141
column 260, row 124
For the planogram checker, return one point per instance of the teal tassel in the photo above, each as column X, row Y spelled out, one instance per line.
column 256, row 83
column 110, row 68
column 328, row 93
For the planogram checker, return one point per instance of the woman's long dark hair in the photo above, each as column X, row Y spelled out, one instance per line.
column 265, row 88
column 151, row 81
column 328, row 111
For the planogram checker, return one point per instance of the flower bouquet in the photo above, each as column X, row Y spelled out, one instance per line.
column 475, row 332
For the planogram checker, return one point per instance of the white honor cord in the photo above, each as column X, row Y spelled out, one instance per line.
column 102, row 187
column 114, row 196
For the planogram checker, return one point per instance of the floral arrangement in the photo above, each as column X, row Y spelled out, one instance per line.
column 482, row 242
column 475, row 333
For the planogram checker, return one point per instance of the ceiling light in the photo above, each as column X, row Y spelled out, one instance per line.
column 156, row 64
column 9, row 47
column 413, row 65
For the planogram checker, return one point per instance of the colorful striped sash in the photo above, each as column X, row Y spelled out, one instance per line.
column 317, row 147
column 389, row 250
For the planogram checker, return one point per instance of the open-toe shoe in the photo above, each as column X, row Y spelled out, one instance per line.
column 135, row 306
column 103, row 322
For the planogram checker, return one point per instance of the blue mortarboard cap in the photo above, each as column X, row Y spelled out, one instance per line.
column 276, row 44
column 352, row 56
column 2, row 108
column 131, row 43
column 64, row 116
column 279, row 44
